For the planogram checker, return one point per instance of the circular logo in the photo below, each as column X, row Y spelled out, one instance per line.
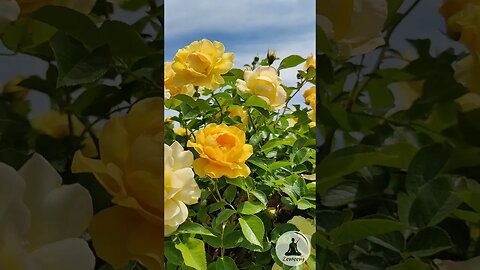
column 293, row 248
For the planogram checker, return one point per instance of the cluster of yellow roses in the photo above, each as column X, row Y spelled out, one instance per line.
column 463, row 22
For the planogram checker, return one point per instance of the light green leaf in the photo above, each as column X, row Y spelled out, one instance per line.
column 277, row 142
column 253, row 229
column 193, row 253
column 250, row 208
column 291, row 61
column 193, row 228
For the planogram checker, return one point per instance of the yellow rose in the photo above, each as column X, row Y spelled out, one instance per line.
column 55, row 124
column 355, row 25
column 180, row 187
column 310, row 63
column 467, row 72
column 202, row 63
column 463, row 21
column 130, row 169
column 264, row 83
column 16, row 92
column 311, row 99
column 236, row 110
column 222, row 150
column 181, row 131
column 9, row 11
column 170, row 87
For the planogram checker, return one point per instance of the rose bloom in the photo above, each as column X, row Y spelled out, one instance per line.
column 180, row 187
column 467, row 72
column 463, row 21
column 356, row 26
column 41, row 220
column 202, row 63
column 310, row 99
column 222, row 150
column 265, row 83
column 55, row 124
column 130, row 169
column 236, row 110
column 310, row 63
column 170, row 87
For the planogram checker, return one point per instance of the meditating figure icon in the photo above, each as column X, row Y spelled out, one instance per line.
column 292, row 249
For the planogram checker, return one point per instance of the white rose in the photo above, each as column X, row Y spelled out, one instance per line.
column 41, row 220
column 180, row 187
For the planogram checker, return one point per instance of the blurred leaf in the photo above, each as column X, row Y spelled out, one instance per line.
column 428, row 241
column 363, row 228
column 75, row 64
column 411, row 264
column 123, row 40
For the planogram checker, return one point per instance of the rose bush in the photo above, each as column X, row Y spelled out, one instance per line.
column 249, row 162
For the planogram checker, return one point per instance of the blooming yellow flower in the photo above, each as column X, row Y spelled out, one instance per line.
column 265, row 83
column 467, row 72
column 311, row 99
column 310, row 63
column 38, row 229
column 181, row 131
column 170, row 87
column 55, row 124
column 17, row 93
column 463, row 21
column 202, row 63
column 130, row 169
column 180, row 187
column 222, row 150
column 356, row 26
column 236, row 110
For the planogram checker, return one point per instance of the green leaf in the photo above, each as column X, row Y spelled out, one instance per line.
column 304, row 204
column 250, row 208
column 255, row 101
column 426, row 164
column 223, row 216
column 410, row 264
column 434, row 202
column 253, row 229
column 75, row 64
column 363, row 228
column 124, row 40
column 172, row 254
column 277, row 142
column 193, row 228
column 72, row 22
column 352, row 159
column 193, row 253
column 471, row 197
column 225, row 263
column 291, row 61
column 230, row 193
column 428, row 242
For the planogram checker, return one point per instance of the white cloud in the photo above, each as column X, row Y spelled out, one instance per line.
column 187, row 16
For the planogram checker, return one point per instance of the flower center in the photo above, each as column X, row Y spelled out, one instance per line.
column 199, row 62
column 226, row 140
